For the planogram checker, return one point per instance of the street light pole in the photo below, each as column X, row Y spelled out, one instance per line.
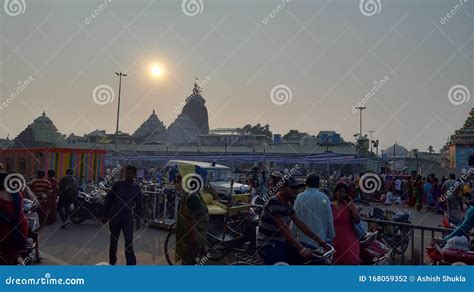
column 417, row 167
column 120, row 75
column 371, row 146
column 361, row 108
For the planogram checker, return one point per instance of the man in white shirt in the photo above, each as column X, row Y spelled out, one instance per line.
column 314, row 209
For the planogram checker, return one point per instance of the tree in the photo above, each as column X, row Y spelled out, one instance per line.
column 258, row 129
column 430, row 149
column 294, row 133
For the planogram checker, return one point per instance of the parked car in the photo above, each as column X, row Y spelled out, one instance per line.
column 218, row 176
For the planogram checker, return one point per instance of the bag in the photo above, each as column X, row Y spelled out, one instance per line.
column 460, row 243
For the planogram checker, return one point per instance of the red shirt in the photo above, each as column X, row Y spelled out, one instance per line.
column 54, row 184
column 40, row 186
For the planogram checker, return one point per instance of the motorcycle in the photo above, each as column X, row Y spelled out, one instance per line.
column 398, row 237
column 374, row 251
column 443, row 256
column 29, row 209
column 89, row 206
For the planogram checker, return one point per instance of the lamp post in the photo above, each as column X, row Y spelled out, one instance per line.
column 376, row 145
column 356, row 144
column 361, row 108
column 415, row 153
column 394, row 158
column 371, row 146
column 120, row 75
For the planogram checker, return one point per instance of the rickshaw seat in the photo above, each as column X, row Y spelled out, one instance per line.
column 215, row 210
column 214, row 207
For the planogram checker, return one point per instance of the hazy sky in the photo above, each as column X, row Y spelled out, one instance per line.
column 328, row 53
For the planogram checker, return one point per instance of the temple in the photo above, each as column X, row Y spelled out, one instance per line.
column 152, row 131
column 183, row 130
column 42, row 132
column 459, row 153
column 193, row 121
column 195, row 108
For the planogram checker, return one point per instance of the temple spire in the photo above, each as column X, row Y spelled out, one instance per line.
column 197, row 89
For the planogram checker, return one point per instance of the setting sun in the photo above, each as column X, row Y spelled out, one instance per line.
column 156, row 71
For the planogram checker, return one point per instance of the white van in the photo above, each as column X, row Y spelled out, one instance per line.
column 218, row 176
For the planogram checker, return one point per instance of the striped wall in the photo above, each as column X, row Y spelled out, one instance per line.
column 89, row 164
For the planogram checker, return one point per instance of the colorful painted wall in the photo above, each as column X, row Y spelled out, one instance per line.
column 84, row 162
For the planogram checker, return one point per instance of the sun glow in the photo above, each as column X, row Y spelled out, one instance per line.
column 156, row 71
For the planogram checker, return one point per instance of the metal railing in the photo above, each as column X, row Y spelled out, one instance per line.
column 417, row 239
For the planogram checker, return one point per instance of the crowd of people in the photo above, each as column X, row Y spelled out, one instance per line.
column 293, row 224
column 442, row 195
column 52, row 198
column 296, row 219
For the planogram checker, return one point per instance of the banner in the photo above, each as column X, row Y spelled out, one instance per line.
column 237, row 278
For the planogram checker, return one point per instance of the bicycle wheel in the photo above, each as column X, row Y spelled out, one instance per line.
column 401, row 239
column 217, row 251
column 170, row 248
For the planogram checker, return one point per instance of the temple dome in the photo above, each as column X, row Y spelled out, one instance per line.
column 42, row 132
column 195, row 108
column 400, row 151
column 183, row 130
column 151, row 131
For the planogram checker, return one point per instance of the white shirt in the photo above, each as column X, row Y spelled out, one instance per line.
column 398, row 184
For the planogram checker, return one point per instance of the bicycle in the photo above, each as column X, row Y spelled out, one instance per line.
column 226, row 233
column 398, row 237
column 219, row 244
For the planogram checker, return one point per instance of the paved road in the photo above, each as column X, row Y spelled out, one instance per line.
column 87, row 244
column 421, row 240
